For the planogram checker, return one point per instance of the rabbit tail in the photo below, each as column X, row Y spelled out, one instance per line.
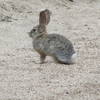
column 62, row 58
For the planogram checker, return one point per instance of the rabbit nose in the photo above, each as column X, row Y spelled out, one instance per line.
column 29, row 33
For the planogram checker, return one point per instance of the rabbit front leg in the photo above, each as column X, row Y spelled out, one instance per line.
column 42, row 58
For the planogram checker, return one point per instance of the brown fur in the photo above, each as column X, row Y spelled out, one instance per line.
column 44, row 17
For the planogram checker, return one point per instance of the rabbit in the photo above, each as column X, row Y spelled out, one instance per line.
column 54, row 45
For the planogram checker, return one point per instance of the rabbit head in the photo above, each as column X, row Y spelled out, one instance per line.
column 44, row 19
column 37, row 31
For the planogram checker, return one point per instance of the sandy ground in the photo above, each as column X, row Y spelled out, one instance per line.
column 21, row 75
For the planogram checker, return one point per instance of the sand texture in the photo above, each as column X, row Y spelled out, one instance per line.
column 21, row 75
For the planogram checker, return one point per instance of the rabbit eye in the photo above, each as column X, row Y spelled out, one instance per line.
column 34, row 30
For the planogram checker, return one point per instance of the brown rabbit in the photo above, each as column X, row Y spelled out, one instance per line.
column 57, row 46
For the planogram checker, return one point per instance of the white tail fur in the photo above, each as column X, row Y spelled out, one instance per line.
column 74, row 57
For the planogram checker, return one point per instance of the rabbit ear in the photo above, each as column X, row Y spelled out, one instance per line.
column 48, row 14
column 44, row 17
